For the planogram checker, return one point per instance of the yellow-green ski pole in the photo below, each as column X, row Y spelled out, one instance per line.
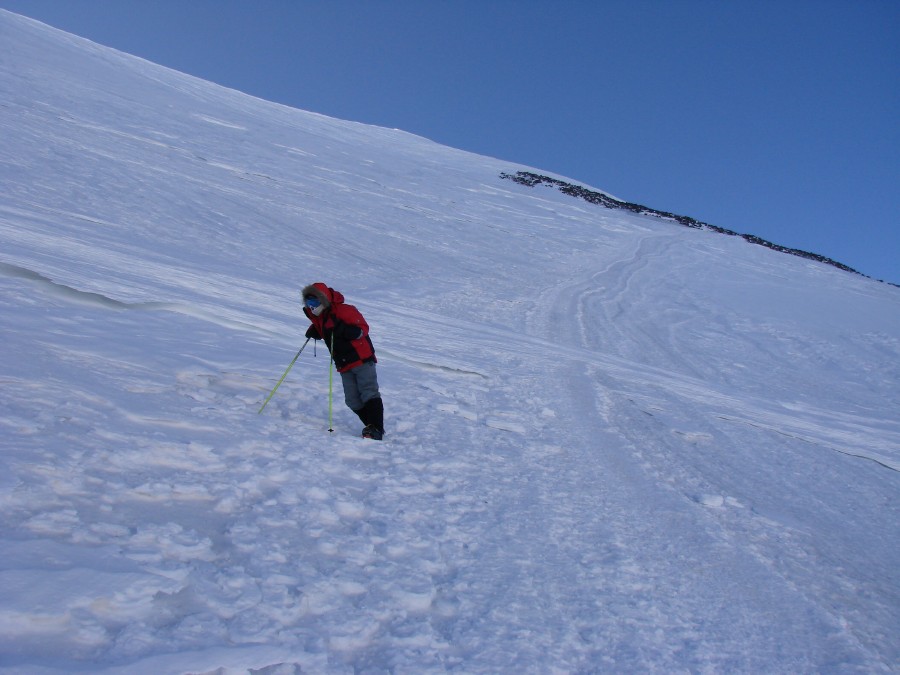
column 330, row 382
column 297, row 356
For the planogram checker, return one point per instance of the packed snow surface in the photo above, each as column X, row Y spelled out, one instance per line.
column 613, row 444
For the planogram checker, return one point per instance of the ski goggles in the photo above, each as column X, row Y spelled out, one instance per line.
column 311, row 301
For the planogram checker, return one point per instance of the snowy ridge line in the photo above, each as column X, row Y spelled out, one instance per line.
column 759, row 414
column 530, row 179
column 78, row 296
column 430, row 365
column 871, row 456
column 74, row 294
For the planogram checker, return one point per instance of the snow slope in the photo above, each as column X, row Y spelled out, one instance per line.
column 614, row 444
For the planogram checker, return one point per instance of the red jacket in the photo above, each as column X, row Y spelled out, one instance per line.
column 341, row 326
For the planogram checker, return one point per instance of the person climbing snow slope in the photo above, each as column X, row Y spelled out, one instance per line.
column 346, row 334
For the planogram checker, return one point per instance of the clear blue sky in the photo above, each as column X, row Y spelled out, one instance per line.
column 780, row 118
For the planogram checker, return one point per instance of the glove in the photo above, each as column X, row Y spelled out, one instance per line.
column 312, row 333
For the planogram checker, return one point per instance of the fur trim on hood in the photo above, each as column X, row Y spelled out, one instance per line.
column 327, row 296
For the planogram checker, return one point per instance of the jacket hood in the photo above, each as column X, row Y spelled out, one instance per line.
column 326, row 295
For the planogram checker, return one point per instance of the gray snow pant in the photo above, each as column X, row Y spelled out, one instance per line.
column 360, row 385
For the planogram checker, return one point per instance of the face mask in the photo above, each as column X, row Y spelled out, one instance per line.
column 314, row 305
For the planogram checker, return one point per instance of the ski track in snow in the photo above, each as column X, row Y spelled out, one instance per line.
column 613, row 445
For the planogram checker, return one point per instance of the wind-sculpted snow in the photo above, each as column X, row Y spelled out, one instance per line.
column 613, row 445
